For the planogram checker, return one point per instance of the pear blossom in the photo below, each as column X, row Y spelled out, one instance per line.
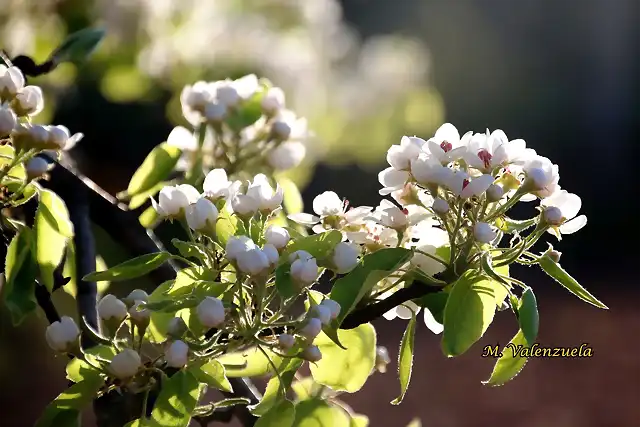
column 29, row 101
column 428, row 170
column 36, row 167
column 230, row 92
column 61, row 138
column 286, row 341
column 560, row 209
column 486, row 151
column 111, row 307
column 136, row 295
column 273, row 101
column 494, row 193
column 268, row 199
column 173, row 201
column 374, row 234
column 202, row 215
column 541, row 176
column 392, row 180
column 272, row 254
column 125, row 364
column 311, row 329
column 194, row 99
column 431, row 239
column 8, row 120
column 333, row 306
column 237, row 245
column 391, row 216
column 215, row 112
column 432, row 324
column 321, row 312
column 210, row 312
column 461, row 185
column 277, row 236
column 332, row 212
column 287, row 126
column 345, row 257
column 312, row 354
column 400, row 156
column 177, row 354
column 253, row 262
column 304, row 271
column 484, row 233
column 411, row 194
column 11, row 81
column 62, row 334
column 440, row 206
column 446, row 145
column 286, row 155
column 244, row 205
column 403, row 311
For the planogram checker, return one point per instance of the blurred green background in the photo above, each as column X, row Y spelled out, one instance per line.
column 561, row 74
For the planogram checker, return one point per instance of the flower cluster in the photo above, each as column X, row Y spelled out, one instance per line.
column 450, row 192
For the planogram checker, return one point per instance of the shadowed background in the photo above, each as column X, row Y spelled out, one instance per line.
column 563, row 75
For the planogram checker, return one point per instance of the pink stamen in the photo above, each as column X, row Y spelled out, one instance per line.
column 485, row 156
column 465, row 183
column 405, row 211
column 446, row 146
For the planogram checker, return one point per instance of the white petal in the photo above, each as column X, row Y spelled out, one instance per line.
column 571, row 206
column 574, row 225
column 318, row 228
column 390, row 315
column 182, row 138
column 356, row 215
column 447, row 132
column 528, row 198
column 304, row 218
column 406, row 310
column 477, row 186
column 393, row 178
column 432, row 323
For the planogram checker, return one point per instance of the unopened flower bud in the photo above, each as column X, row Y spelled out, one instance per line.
column 111, row 308
column 273, row 101
column 244, row 206
column 8, row 121
column 11, row 81
column 227, row 94
column 36, row 167
column 237, row 245
column 287, row 155
column 58, row 136
column 272, row 254
column 311, row 329
column 552, row 215
column 173, row 201
column 62, row 335
column 140, row 315
column 125, row 364
column 323, row 313
column 202, row 215
column 281, row 130
column 334, row 307
column 136, row 295
column 176, row 328
column 382, row 359
column 345, row 257
column 440, row 206
column 277, row 236
column 286, row 341
column 554, row 255
column 483, row 232
column 29, row 102
column 494, row 193
column 312, row 354
column 215, row 112
column 253, row 262
column 177, row 354
column 211, row 312
column 304, row 271
column 39, row 136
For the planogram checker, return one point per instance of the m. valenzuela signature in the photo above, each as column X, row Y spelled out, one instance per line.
column 537, row 351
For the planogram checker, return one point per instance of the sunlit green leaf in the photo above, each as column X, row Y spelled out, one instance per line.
column 277, row 386
column 468, row 313
column 212, row 373
column 226, row 226
column 132, row 268
column 359, row 420
column 143, row 197
column 53, row 229
column 78, row 370
column 78, row 46
column 405, row 359
column 148, row 218
column 281, row 415
column 25, row 195
column 318, row 245
column 155, row 168
column 319, row 413
column 68, row 405
column 528, row 316
column 305, row 388
column 510, row 363
column 20, row 276
column 248, row 363
column 177, row 400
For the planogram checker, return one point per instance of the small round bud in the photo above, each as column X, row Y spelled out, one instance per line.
column 136, row 295
column 345, row 257
column 312, row 354
column 494, row 193
column 287, row 155
column 29, row 102
column 202, row 215
column 125, row 364
column 552, row 215
column 111, row 308
column 140, row 315
column 244, row 206
column 253, row 262
column 277, row 236
column 273, row 101
column 214, row 112
column 333, row 307
column 227, row 94
column 176, row 328
column 36, row 167
column 62, row 335
column 177, row 354
column 554, row 255
column 237, row 245
column 58, row 136
column 272, row 254
column 311, row 329
column 484, row 232
column 281, row 130
column 382, row 359
column 211, row 312
column 323, row 313
column 440, row 206
column 8, row 121
column 286, row 341
column 11, row 81
column 304, row 271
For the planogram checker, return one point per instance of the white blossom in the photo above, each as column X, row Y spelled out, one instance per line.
column 445, row 144
column 125, row 364
column 237, row 245
column 470, row 187
column 111, row 307
column 8, row 120
column 286, row 341
column 29, row 101
column 272, row 254
column 273, row 101
column 177, row 354
column 244, row 205
column 216, row 185
column 139, row 314
column 400, row 156
column 486, row 151
column 193, row 99
column 431, row 238
column 440, row 206
column 560, row 209
column 210, row 312
column 484, row 233
column 311, row 329
column 277, row 236
column 428, row 170
column 287, row 126
column 202, row 215
column 11, row 81
column 304, row 271
column 432, row 324
column 36, row 167
column 392, row 180
column 333, row 306
column 215, row 112
column 403, row 311
column 172, row 201
column 230, row 92
column 61, row 138
column 345, row 257
column 136, row 295
column 261, row 190
column 286, row 155
column 62, row 334
column 253, row 262
column 332, row 210
column 542, row 176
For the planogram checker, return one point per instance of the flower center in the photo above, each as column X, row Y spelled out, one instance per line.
column 465, row 183
column 485, row 156
column 446, row 146
column 405, row 211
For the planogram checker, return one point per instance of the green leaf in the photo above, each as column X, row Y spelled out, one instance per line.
column 277, row 386
column 557, row 273
column 468, row 313
column 511, row 226
column 405, row 359
column 509, row 364
column 79, row 370
column 141, row 198
column 226, row 226
column 319, row 413
column 130, row 269
column 53, row 229
column 281, row 415
column 500, row 286
column 305, row 388
column 68, row 405
column 190, row 278
column 318, row 245
column 27, row 192
column 78, row 46
column 249, row 111
column 17, row 172
column 350, row 289
column 20, row 276
column 292, row 198
column 212, row 374
column 248, row 363
column 148, row 218
column 359, row 420
column 346, row 370
column 284, row 282
column 155, row 168
column 191, row 250
column 177, row 400
column 528, row 316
